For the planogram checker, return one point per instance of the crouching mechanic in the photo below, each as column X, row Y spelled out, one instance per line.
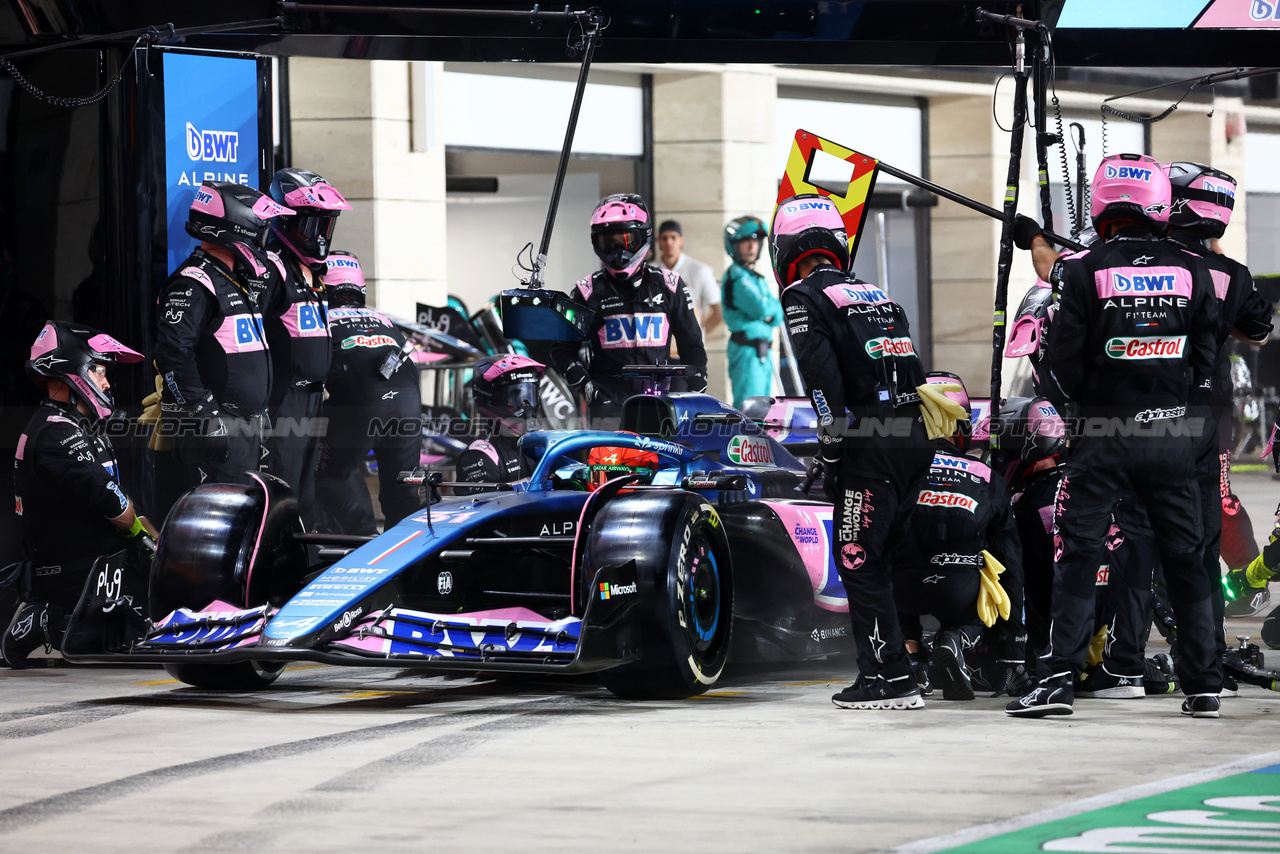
column 374, row 404
column 66, row 483
column 751, row 311
column 210, row 347
column 962, row 563
column 855, row 353
column 505, row 389
column 638, row 309
column 1132, row 372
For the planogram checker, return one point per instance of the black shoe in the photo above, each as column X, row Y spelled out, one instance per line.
column 946, row 666
column 1201, row 705
column 1099, row 683
column 920, row 670
column 880, row 693
column 33, row 627
column 1053, row 696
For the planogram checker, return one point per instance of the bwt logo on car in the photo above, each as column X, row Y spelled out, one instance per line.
column 212, row 146
column 1134, row 172
column 1156, row 284
column 1146, row 348
column 638, row 330
column 878, row 348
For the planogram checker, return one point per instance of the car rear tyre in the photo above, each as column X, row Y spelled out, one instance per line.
column 686, row 579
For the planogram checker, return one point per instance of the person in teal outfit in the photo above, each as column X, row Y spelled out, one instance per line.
column 751, row 311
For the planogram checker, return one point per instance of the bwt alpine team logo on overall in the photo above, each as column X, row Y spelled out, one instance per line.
column 1147, row 348
column 212, row 146
column 878, row 348
column 1136, row 173
column 630, row 331
column 1155, row 284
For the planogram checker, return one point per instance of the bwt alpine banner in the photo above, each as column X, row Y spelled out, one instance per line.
column 210, row 133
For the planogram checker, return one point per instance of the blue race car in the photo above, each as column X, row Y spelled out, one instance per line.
column 649, row 557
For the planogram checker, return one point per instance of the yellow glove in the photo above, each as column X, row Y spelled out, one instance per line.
column 1097, row 646
column 1258, row 573
column 151, row 415
column 940, row 412
column 993, row 601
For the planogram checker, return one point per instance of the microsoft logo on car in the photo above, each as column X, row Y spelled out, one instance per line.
column 1146, row 348
column 880, row 347
column 608, row 591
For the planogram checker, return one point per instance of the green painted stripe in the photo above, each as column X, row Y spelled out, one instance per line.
column 1250, row 467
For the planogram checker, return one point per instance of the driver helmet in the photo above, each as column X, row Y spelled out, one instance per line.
column 308, row 234
column 233, row 215
column 505, row 388
column 343, row 279
column 740, row 229
column 1032, row 431
column 961, row 438
column 605, row 463
column 1202, row 198
column 67, row 352
column 1130, row 186
column 806, row 225
column 621, row 231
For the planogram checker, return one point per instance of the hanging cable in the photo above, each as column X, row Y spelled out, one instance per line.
column 67, row 101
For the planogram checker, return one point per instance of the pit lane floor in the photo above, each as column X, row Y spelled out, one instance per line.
column 125, row 759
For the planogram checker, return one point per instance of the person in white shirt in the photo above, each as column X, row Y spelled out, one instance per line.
column 697, row 276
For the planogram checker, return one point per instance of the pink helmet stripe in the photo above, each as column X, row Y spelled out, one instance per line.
column 104, row 343
column 320, row 196
column 266, row 208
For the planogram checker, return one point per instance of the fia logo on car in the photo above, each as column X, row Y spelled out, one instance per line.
column 444, row 583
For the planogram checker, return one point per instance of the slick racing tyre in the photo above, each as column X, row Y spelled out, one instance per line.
column 229, row 543
column 685, row 579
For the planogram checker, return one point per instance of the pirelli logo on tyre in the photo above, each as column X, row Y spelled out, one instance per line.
column 1171, row 347
column 878, row 348
column 930, row 498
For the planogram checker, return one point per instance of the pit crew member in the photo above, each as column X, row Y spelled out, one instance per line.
column 297, row 326
column 374, row 404
column 1130, row 369
column 855, row 354
column 638, row 309
column 67, row 483
column 505, row 389
column 211, row 351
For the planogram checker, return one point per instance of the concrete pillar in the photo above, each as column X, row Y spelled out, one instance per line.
column 714, row 159
column 352, row 123
column 968, row 154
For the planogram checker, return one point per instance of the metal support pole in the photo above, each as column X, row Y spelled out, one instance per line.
column 1040, row 73
column 1005, row 263
column 540, row 261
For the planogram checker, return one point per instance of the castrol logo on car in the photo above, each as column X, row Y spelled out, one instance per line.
column 748, row 451
column 878, row 348
column 1147, row 348
column 931, row 498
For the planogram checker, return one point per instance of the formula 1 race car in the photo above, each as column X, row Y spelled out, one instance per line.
column 649, row 557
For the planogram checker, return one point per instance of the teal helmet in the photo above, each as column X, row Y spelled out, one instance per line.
column 743, row 228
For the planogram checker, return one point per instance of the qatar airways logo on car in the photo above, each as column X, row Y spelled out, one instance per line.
column 212, row 146
column 878, row 348
column 1147, row 348
column 930, row 498
column 748, row 451
column 1135, row 173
